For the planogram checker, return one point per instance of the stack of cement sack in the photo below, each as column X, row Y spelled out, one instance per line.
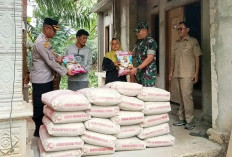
column 155, row 125
column 63, row 123
column 138, row 101
column 130, row 116
column 96, row 121
column 99, row 137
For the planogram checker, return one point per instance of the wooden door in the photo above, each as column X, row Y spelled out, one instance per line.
column 174, row 16
column 107, row 39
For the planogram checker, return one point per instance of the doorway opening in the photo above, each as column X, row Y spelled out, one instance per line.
column 155, row 35
column 191, row 14
column 107, row 39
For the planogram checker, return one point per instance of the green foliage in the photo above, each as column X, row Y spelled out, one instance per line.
column 93, row 81
column 64, row 82
column 72, row 16
column 68, row 12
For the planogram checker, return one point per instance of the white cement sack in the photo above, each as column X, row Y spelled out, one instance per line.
column 58, row 143
column 154, row 131
column 131, row 104
column 66, row 100
column 96, row 150
column 154, row 120
column 64, row 153
column 104, row 126
column 128, row 118
column 102, row 96
column 70, row 129
column 159, row 141
column 103, row 112
column 154, row 94
column 132, row 143
column 128, row 131
column 65, row 117
column 99, row 139
column 151, row 108
column 125, row 88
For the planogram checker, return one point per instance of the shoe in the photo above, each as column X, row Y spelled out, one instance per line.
column 190, row 126
column 179, row 123
column 199, row 134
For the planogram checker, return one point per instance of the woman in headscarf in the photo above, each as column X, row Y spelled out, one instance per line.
column 110, row 63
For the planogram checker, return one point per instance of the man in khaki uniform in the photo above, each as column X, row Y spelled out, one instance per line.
column 185, row 68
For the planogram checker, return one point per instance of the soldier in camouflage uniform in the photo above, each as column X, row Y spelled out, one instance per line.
column 145, row 53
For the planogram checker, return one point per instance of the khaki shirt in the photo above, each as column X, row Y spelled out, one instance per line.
column 43, row 61
column 183, row 57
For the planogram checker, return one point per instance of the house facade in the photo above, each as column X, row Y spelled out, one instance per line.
column 210, row 22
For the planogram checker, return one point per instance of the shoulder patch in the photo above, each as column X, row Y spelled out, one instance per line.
column 150, row 40
column 47, row 44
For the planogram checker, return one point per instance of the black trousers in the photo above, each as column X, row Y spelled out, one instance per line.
column 112, row 76
column 38, row 90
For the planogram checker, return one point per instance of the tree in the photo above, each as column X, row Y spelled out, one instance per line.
column 68, row 12
column 72, row 15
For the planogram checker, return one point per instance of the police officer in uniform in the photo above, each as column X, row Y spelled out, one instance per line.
column 43, row 65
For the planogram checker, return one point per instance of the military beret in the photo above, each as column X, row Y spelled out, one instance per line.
column 51, row 22
column 141, row 25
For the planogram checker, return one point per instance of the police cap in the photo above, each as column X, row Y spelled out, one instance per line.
column 51, row 22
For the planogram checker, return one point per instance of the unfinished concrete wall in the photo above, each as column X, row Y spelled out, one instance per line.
column 206, row 62
column 124, row 24
column 108, row 22
column 221, row 63
column 132, row 23
column 105, row 18
column 100, row 32
column 142, row 10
